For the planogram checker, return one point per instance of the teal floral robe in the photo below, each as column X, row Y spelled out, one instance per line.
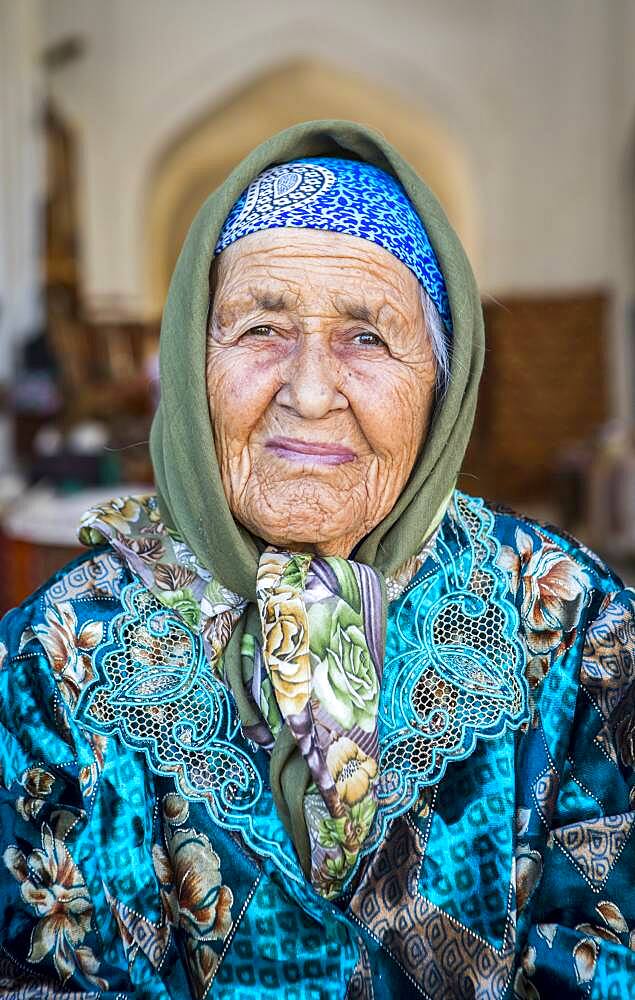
column 142, row 855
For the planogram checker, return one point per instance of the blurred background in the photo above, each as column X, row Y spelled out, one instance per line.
column 118, row 118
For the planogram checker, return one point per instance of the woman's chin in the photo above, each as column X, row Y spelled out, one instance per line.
column 302, row 541
column 307, row 516
column 297, row 536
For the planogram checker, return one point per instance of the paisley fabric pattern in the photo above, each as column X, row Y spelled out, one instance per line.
column 141, row 853
column 341, row 196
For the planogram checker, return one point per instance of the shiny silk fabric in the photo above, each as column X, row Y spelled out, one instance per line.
column 142, row 854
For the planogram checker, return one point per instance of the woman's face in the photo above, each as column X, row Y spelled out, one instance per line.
column 320, row 379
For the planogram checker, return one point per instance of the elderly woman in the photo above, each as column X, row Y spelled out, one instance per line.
column 310, row 722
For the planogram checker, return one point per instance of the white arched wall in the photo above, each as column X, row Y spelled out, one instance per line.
column 200, row 156
column 155, row 125
column 621, row 360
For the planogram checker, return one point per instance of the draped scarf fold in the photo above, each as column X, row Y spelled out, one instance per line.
column 314, row 669
column 314, row 778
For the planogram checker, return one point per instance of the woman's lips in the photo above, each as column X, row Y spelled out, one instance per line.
column 318, row 452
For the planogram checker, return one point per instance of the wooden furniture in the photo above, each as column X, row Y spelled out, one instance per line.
column 25, row 565
column 103, row 367
column 544, row 389
column 38, row 535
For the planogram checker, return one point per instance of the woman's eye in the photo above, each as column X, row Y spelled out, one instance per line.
column 258, row 331
column 368, row 339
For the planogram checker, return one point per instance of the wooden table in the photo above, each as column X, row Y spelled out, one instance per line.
column 38, row 535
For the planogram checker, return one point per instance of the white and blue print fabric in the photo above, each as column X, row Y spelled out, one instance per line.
column 341, row 196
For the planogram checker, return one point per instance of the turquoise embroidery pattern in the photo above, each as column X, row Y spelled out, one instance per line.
column 454, row 663
column 453, row 673
column 173, row 708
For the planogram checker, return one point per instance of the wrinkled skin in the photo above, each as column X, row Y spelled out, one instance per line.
column 316, row 337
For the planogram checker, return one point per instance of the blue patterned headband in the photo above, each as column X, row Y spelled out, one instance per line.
column 342, row 196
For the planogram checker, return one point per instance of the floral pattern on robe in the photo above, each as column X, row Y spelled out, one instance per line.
column 511, row 875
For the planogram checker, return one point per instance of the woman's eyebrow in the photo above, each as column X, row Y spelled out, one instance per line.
column 365, row 313
column 272, row 301
column 253, row 298
column 355, row 310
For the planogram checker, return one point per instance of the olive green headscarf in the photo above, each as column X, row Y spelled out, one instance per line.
column 189, row 486
column 187, row 476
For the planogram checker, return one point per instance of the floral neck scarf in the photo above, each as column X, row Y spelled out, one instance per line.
column 316, row 665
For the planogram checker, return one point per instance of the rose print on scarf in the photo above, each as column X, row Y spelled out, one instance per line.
column 175, row 585
column 184, row 603
column 285, row 629
column 344, row 643
column 147, row 548
column 352, row 769
column 341, row 838
column 345, row 681
column 119, row 514
column 285, row 655
column 552, row 589
column 322, row 653
column 52, row 884
column 193, row 896
column 68, row 649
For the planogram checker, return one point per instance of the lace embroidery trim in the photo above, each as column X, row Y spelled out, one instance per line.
column 454, row 663
column 156, row 689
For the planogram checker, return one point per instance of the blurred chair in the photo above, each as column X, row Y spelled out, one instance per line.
column 103, row 368
column 544, row 389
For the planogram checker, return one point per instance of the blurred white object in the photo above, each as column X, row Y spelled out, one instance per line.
column 12, row 485
column 151, row 372
column 48, row 441
column 611, row 492
column 87, row 438
column 44, row 517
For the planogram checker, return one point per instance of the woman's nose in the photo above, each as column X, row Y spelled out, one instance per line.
column 310, row 384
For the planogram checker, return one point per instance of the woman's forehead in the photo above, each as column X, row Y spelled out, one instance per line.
column 280, row 264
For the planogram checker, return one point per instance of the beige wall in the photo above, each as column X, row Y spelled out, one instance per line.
column 529, row 90
column 20, row 176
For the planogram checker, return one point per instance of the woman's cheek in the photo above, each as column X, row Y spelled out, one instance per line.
column 391, row 410
column 241, row 390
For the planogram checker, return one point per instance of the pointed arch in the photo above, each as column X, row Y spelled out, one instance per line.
column 198, row 158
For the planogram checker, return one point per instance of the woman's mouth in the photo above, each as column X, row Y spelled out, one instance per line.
column 317, row 452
